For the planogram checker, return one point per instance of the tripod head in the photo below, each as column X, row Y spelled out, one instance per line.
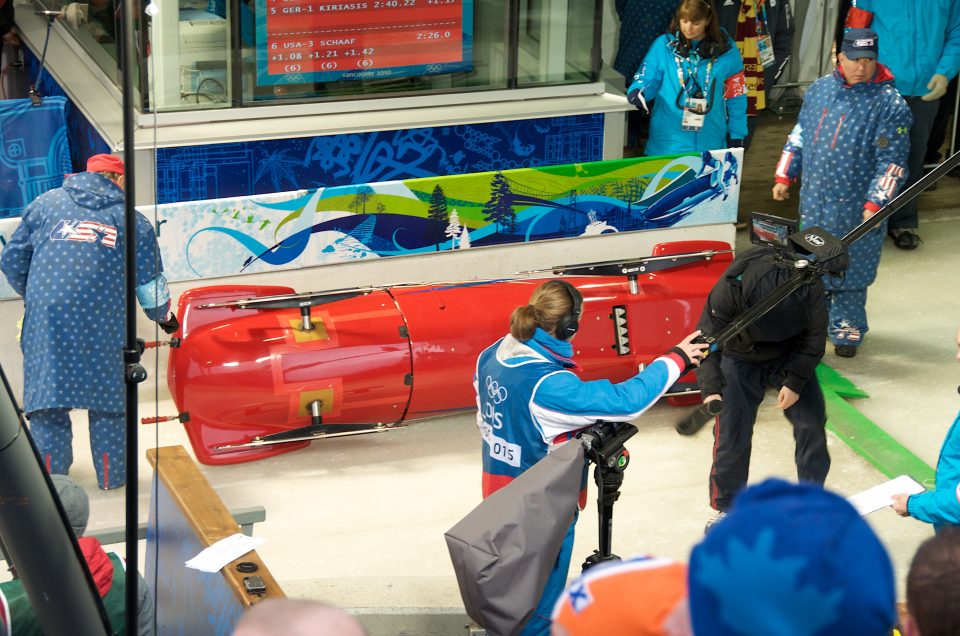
column 603, row 445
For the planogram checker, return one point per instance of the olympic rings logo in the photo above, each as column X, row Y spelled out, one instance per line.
column 495, row 392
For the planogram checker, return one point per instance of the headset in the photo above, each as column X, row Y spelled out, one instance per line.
column 569, row 323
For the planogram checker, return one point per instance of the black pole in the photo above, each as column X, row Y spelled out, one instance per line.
column 905, row 197
column 49, row 562
column 133, row 372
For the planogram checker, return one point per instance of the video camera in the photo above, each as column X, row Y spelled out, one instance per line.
column 812, row 247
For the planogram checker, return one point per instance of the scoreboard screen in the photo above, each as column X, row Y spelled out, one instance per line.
column 331, row 40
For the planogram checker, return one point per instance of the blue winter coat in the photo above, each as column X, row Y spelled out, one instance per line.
column 918, row 38
column 658, row 79
column 66, row 258
column 852, row 143
column 941, row 506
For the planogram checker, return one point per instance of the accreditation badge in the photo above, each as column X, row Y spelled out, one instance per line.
column 765, row 49
column 694, row 112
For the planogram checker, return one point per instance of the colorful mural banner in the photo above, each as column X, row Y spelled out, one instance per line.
column 305, row 228
column 264, row 166
column 35, row 153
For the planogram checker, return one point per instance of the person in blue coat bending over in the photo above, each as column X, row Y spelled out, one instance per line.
column 851, row 140
column 529, row 399
column 66, row 258
column 694, row 75
column 940, row 506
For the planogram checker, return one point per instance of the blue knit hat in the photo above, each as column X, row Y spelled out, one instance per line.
column 791, row 560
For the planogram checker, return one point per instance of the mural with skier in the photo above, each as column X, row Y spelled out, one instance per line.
column 261, row 233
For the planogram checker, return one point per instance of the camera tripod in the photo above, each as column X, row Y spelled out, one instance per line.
column 603, row 444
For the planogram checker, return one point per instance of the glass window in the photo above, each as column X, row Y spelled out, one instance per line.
column 556, row 41
column 218, row 54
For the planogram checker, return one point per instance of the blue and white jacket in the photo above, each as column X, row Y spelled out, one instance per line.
column 66, row 258
column 941, row 506
column 852, row 143
column 528, row 399
column 658, row 78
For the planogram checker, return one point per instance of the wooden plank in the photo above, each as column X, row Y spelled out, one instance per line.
column 207, row 515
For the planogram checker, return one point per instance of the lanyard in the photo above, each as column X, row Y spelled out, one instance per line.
column 684, row 77
column 761, row 12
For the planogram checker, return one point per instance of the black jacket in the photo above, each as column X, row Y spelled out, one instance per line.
column 794, row 331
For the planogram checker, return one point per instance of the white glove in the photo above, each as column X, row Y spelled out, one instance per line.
column 938, row 87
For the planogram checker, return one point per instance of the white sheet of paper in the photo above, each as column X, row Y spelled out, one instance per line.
column 224, row 551
column 881, row 495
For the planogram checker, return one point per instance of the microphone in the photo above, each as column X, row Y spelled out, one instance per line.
column 696, row 420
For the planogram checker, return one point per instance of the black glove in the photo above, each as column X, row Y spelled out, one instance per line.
column 736, row 143
column 169, row 324
column 634, row 98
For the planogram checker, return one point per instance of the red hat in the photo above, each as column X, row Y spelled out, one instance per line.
column 105, row 163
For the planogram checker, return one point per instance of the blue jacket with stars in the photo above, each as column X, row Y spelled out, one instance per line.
column 721, row 81
column 851, row 142
column 66, row 258
column 941, row 506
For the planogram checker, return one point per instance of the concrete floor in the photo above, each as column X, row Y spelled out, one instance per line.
column 359, row 521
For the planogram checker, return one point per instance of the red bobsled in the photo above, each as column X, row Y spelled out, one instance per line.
column 262, row 370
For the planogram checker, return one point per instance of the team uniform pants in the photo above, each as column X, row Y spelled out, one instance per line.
column 539, row 623
column 746, row 383
column 53, row 435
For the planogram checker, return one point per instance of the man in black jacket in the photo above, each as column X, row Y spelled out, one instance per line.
column 782, row 349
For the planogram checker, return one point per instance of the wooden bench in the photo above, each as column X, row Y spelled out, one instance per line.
column 192, row 517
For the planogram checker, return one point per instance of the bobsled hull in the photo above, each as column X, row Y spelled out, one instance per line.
column 247, row 368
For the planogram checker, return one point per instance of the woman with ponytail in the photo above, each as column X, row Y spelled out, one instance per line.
column 529, row 398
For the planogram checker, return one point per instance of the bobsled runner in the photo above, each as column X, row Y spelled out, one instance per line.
column 260, row 370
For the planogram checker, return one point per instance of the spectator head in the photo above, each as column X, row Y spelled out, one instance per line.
column 696, row 20
column 640, row 597
column 933, row 587
column 296, row 617
column 109, row 166
column 791, row 559
column 858, row 55
column 74, row 500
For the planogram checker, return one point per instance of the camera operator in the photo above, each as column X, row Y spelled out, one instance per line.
column 529, row 398
column 783, row 349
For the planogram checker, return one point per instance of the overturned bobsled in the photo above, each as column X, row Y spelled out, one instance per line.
column 261, row 370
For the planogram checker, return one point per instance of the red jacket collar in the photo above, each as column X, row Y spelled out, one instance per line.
column 881, row 76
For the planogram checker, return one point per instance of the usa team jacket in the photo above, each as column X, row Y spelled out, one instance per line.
column 658, row 79
column 852, row 144
column 918, row 38
column 528, row 399
column 66, row 259
column 941, row 506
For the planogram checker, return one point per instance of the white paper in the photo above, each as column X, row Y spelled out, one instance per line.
column 881, row 495
column 224, row 551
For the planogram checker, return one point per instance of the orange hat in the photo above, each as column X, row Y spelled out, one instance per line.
column 105, row 163
column 635, row 597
